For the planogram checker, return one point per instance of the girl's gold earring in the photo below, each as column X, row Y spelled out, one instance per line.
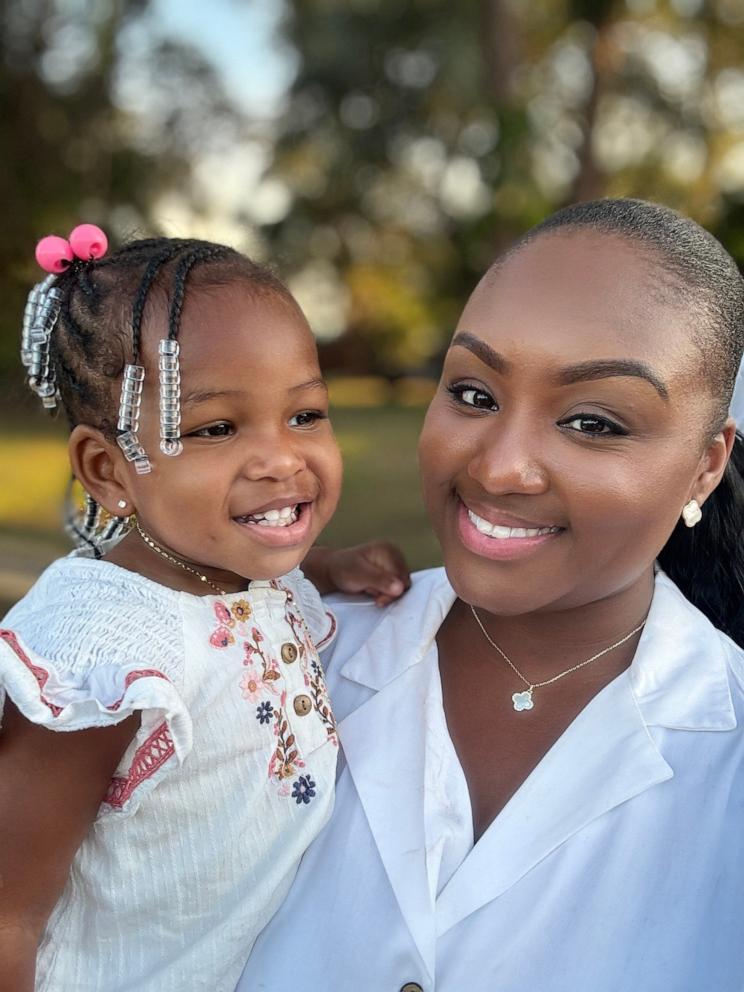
column 691, row 513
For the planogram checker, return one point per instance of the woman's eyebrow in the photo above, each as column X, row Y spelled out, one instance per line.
column 606, row 368
column 582, row 372
column 481, row 350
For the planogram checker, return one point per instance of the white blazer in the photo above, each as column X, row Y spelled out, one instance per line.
column 618, row 866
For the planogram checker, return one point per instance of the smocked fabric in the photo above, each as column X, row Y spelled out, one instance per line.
column 227, row 781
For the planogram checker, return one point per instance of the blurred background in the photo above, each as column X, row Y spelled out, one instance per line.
column 379, row 152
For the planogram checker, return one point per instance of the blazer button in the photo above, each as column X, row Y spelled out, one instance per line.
column 302, row 705
column 411, row 987
column 289, row 652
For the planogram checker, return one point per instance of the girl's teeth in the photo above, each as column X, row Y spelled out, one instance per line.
column 504, row 533
column 275, row 518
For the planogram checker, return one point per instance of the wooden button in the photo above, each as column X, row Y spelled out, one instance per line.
column 289, row 652
column 411, row 987
column 302, row 705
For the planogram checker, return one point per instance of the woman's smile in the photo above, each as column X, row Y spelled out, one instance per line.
column 496, row 534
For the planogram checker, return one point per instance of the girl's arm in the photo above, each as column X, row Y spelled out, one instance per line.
column 51, row 786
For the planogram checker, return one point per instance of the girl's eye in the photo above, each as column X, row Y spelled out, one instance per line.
column 473, row 396
column 594, row 426
column 214, row 430
column 306, row 418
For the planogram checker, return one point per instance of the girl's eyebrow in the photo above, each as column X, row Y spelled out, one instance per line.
column 581, row 372
column 196, row 396
column 310, row 384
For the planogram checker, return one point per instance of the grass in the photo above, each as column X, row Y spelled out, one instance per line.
column 380, row 499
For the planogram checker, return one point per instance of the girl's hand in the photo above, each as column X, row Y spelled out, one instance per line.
column 377, row 568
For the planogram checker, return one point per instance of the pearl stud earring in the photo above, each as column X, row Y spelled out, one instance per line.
column 122, row 504
column 691, row 513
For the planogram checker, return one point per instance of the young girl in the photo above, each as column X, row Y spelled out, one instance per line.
column 146, row 846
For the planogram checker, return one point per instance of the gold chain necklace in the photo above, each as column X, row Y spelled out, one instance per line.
column 523, row 700
column 175, row 561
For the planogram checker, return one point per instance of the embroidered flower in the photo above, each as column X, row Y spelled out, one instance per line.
column 264, row 712
column 223, row 614
column 241, row 610
column 303, row 790
column 221, row 638
column 248, row 651
column 256, row 635
column 251, row 687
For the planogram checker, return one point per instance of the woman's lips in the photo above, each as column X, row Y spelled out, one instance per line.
column 499, row 541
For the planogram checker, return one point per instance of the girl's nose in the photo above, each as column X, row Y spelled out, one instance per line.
column 508, row 460
column 272, row 458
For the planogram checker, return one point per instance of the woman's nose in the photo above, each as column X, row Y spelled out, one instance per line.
column 508, row 460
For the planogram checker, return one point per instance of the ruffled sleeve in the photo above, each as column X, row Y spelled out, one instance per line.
column 94, row 666
column 319, row 619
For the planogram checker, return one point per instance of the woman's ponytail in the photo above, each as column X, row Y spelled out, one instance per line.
column 707, row 561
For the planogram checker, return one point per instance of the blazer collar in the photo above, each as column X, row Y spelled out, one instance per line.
column 607, row 756
column 679, row 676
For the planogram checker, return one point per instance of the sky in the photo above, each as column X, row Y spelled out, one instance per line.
column 240, row 38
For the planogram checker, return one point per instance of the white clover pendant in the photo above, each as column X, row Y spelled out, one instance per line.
column 522, row 700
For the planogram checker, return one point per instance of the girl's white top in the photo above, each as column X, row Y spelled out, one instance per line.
column 229, row 778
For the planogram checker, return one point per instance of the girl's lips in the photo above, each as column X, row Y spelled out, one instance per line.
column 499, row 548
column 281, row 537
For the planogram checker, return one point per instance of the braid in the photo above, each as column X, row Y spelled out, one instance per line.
column 102, row 309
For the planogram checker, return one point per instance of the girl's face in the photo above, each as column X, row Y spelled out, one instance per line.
column 260, row 473
column 568, row 429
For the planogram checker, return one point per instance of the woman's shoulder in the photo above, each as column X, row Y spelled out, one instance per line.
column 424, row 605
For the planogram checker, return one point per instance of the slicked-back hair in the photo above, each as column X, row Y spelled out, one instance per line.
column 103, row 306
column 706, row 562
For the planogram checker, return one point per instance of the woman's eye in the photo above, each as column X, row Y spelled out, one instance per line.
column 472, row 396
column 307, row 418
column 213, row 430
column 592, row 425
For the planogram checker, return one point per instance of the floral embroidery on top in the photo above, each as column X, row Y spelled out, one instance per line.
column 264, row 712
column 303, row 790
column 286, row 757
column 313, row 672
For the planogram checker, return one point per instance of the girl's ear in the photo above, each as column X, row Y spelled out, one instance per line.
column 100, row 468
column 714, row 461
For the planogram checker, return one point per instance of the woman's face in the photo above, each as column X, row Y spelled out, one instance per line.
column 569, row 427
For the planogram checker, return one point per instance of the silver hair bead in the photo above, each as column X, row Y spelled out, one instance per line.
column 131, row 398
column 170, row 397
column 39, row 318
column 134, row 452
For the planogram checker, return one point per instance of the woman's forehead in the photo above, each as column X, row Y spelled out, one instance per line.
column 581, row 294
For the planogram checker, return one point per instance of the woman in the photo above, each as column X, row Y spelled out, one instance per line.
column 544, row 786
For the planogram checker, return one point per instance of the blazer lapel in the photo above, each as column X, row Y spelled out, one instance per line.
column 383, row 742
column 605, row 758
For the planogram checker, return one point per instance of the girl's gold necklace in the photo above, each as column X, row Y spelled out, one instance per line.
column 523, row 700
column 176, row 561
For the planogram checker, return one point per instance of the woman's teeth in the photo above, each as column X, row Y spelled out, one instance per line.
column 275, row 518
column 504, row 533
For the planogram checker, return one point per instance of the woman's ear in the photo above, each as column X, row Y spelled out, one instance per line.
column 713, row 462
column 100, row 468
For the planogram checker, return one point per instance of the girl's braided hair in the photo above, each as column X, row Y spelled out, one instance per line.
column 103, row 305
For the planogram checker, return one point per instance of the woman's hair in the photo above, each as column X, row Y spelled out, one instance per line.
column 707, row 561
column 102, row 305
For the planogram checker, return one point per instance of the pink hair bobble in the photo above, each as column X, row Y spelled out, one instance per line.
column 54, row 254
column 88, row 242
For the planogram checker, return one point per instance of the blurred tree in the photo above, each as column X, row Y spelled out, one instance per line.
column 420, row 136
column 95, row 120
